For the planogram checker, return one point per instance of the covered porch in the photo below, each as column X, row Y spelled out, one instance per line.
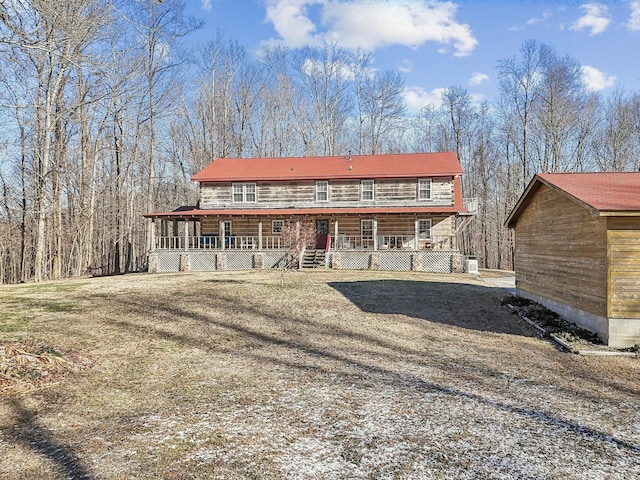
column 195, row 240
column 334, row 232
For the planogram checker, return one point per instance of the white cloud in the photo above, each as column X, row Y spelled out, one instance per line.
column 477, row 78
column 406, row 66
column 418, row 97
column 289, row 18
column 315, row 69
column 596, row 19
column 206, row 5
column 533, row 20
column 477, row 98
column 371, row 24
column 595, row 80
column 634, row 18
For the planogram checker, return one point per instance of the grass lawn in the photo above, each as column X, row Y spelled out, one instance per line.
column 329, row 375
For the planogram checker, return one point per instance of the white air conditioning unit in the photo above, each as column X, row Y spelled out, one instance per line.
column 471, row 265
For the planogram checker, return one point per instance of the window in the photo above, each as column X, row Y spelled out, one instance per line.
column 367, row 229
column 424, row 229
column 322, row 191
column 277, row 226
column 366, row 187
column 227, row 228
column 424, row 189
column 244, row 193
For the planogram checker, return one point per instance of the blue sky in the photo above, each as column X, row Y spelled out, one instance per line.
column 439, row 44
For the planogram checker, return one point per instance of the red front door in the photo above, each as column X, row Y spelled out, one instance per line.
column 322, row 232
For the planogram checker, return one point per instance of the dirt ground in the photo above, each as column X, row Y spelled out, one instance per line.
column 325, row 375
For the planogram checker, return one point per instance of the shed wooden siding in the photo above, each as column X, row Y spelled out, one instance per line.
column 397, row 192
column 624, row 267
column 561, row 252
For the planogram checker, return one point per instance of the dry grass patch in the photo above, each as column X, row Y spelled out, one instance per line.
column 331, row 375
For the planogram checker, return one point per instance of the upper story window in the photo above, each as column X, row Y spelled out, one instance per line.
column 244, row 193
column 322, row 191
column 277, row 226
column 424, row 189
column 366, row 187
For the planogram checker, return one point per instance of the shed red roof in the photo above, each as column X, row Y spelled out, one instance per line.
column 614, row 192
column 325, row 168
column 606, row 193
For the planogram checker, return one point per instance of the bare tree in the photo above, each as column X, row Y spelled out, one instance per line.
column 325, row 80
column 617, row 140
column 519, row 81
column 44, row 39
column 297, row 235
column 381, row 108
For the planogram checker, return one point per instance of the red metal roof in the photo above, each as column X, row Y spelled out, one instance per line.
column 614, row 192
column 606, row 193
column 185, row 212
column 324, row 168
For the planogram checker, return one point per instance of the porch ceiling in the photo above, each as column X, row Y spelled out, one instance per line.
column 195, row 213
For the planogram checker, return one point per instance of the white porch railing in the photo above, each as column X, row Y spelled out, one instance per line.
column 276, row 242
column 396, row 241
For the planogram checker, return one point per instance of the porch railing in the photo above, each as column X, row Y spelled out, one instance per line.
column 396, row 241
column 276, row 242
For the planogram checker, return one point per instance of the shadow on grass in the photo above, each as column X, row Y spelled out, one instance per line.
column 27, row 431
column 354, row 366
column 456, row 304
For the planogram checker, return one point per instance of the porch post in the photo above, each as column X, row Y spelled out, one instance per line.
column 416, row 233
column 186, row 234
column 221, row 234
column 259, row 233
column 335, row 231
column 152, row 231
column 175, row 240
column 375, row 232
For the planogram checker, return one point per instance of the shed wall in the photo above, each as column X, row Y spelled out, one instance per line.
column 624, row 267
column 561, row 252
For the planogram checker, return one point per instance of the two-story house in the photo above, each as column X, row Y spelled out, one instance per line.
column 389, row 212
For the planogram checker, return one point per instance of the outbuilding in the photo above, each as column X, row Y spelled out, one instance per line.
column 577, row 250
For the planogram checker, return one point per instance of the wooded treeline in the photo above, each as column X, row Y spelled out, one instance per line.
column 105, row 114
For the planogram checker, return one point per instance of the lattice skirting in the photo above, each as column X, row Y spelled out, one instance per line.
column 424, row 261
column 167, row 262
column 437, row 262
column 444, row 261
column 202, row 262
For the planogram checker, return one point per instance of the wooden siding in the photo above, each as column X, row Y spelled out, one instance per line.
column 388, row 192
column 273, row 194
column 218, row 194
column 624, row 267
column 561, row 252
column 443, row 226
column 344, row 191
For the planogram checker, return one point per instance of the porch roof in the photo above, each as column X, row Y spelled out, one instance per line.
column 189, row 212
